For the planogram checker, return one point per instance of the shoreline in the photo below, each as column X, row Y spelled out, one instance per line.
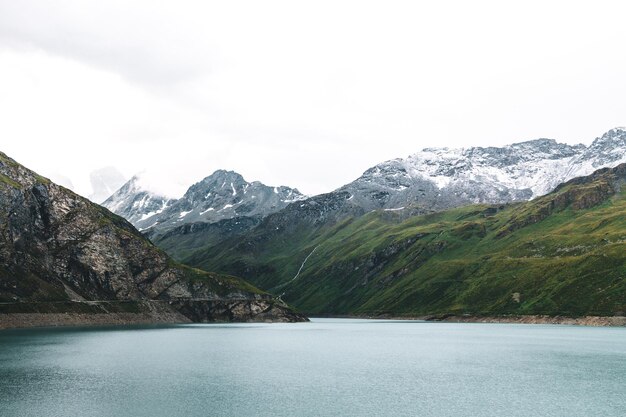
column 167, row 316
column 32, row 320
column 143, row 312
column 591, row 321
column 108, row 313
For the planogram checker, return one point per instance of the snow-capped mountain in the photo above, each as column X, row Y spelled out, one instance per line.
column 440, row 178
column 222, row 195
column 135, row 203
column 430, row 180
column 224, row 206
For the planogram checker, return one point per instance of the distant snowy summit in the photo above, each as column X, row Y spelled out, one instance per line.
column 222, row 195
column 136, row 204
column 440, row 178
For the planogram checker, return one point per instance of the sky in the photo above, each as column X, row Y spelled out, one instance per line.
column 305, row 94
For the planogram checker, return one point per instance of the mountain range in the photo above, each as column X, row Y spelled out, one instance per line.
column 440, row 178
column 224, row 205
column 222, row 195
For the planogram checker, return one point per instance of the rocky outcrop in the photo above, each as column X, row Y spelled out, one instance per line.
column 57, row 246
column 236, row 310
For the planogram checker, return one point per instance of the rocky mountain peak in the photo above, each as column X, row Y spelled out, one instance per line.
column 132, row 185
column 220, row 177
column 221, row 182
column 607, row 150
column 136, row 204
column 609, row 142
column 543, row 149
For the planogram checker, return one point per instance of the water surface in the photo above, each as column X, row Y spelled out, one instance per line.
column 329, row 367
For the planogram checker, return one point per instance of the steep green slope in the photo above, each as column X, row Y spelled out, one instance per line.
column 61, row 253
column 183, row 240
column 563, row 254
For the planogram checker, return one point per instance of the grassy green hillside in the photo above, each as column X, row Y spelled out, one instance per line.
column 561, row 254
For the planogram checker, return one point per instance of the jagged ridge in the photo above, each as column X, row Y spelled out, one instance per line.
column 222, row 195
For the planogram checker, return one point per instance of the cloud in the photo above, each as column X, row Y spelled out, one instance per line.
column 104, row 182
column 139, row 41
column 301, row 94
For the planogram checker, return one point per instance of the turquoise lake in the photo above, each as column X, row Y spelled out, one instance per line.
column 329, row 367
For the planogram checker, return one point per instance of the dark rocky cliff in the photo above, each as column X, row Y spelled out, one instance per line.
column 59, row 249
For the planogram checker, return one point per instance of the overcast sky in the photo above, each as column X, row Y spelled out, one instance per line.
column 306, row 94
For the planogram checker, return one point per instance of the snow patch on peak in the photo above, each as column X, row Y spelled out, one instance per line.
column 146, row 216
column 440, row 178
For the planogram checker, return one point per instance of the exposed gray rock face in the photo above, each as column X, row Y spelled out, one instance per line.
column 234, row 311
column 56, row 246
column 222, row 195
